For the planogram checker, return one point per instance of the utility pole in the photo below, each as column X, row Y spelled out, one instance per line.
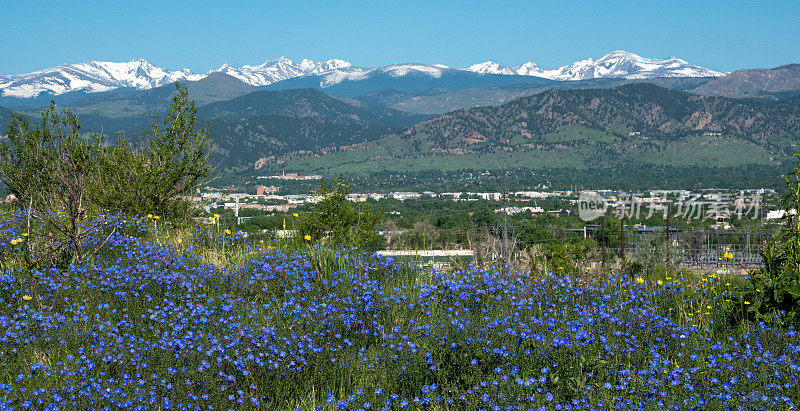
column 603, row 239
column 669, row 240
column 504, row 246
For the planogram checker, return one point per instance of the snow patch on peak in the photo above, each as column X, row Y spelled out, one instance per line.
column 490, row 67
column 620, row 54
column 529, row 69
column 94, row 76
column 403, row 69
column 282, row 68
column 318, row 67
column 346, row 73
column 617, row 64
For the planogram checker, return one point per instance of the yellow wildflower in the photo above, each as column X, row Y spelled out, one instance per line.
column 295, row 215
column 26, row 297
column 659, row 282
column 747, row 303
column 227, row 231
column 307, row 237
column 640, row 280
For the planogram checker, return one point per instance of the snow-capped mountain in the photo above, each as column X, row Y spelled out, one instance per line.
column 490, row 67
column 95, row 76
column 529, row 69
column 412, row 78
column 330, row 72
column 404, row 69
column 617, row 64
column 348, row 72
column 280, row 69
column 622, row 64
column 98, row 76
column 317, row 67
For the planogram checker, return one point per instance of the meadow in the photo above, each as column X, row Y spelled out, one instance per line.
column 204, row 318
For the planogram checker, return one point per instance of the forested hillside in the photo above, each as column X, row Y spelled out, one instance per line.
column 641, row 109
column 632, row 127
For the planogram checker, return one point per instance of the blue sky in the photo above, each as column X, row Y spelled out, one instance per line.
column 201, row 35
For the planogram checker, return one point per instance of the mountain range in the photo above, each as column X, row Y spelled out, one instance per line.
column 98, row 76
column 617, row 64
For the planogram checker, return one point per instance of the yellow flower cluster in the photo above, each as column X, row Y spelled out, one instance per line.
column 16, row 241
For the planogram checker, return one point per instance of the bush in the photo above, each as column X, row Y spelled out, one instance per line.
column 561, row 258
column 651, row 251
column 47, row 168
column 775, row 288
column 338, row 222
column 157, row 179
column 59, row 178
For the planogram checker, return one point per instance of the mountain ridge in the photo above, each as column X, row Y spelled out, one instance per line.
column 629, row 126
column 100, row 76
column 755, row 82
column 303, row 103
column 617, row 64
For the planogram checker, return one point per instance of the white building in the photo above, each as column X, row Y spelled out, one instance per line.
column 775, row 214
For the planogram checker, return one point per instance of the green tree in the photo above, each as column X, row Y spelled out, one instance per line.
column 59, row 177
column 48, row 169
column 337, row 221
column 158, row 177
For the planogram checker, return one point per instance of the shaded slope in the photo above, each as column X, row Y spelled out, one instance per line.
column 773, row 82
column 307, row 103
